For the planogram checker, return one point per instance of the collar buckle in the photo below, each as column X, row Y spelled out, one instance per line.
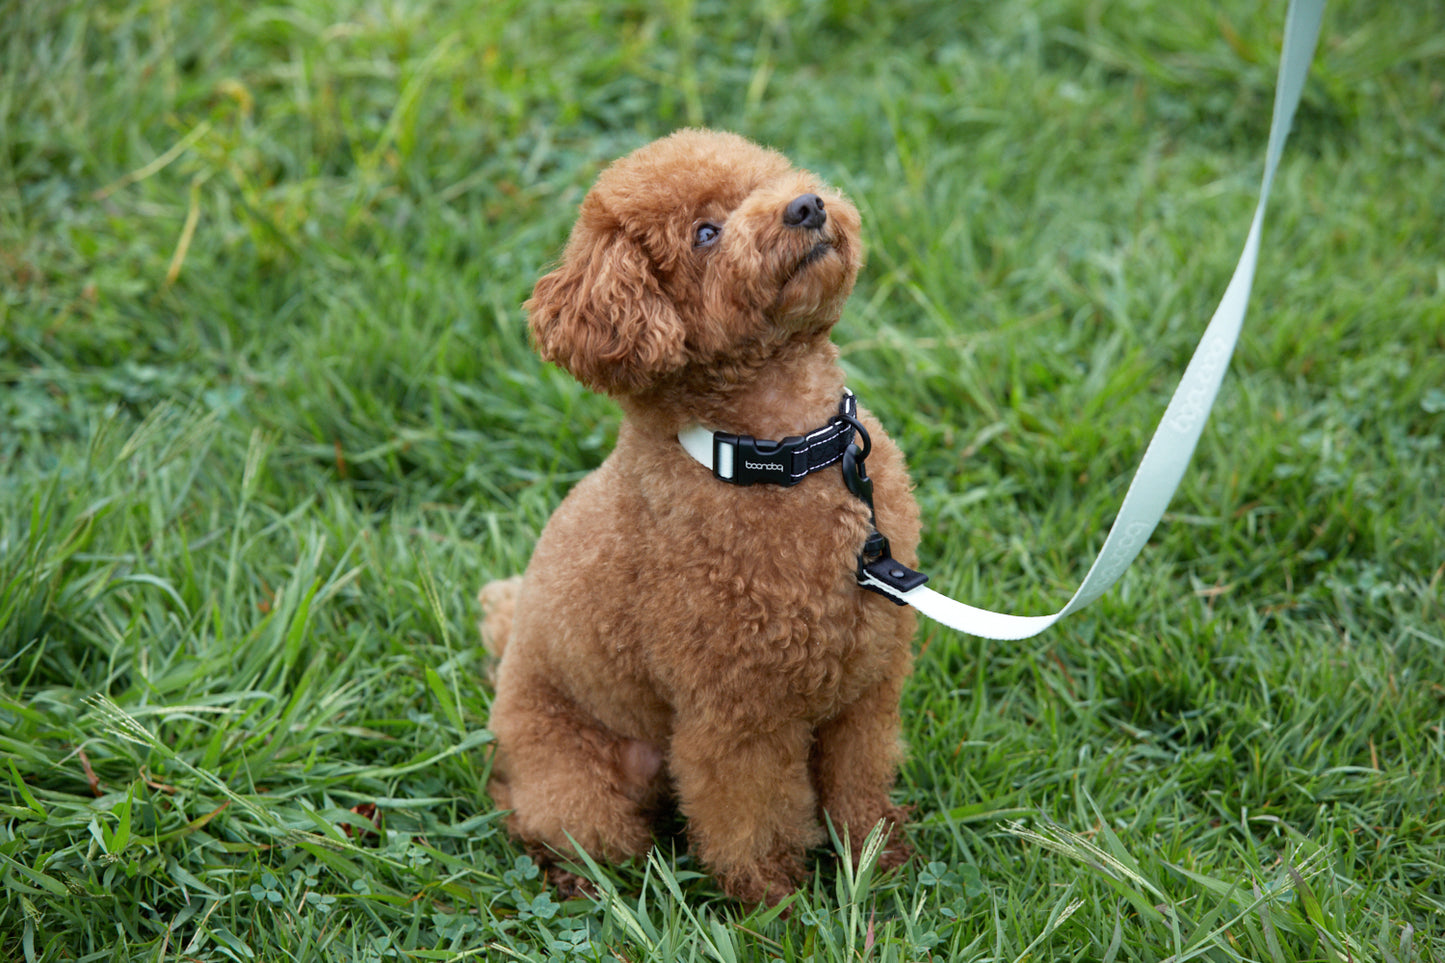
column 744, row 460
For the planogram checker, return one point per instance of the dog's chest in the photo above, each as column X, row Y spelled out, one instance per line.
column 767, row 594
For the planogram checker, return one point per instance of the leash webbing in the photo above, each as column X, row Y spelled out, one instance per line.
column 1174, row 440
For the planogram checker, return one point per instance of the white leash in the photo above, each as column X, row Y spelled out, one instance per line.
column 1173, row 443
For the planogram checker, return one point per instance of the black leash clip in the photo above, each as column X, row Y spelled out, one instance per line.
column 876, row 561
column 855, row 476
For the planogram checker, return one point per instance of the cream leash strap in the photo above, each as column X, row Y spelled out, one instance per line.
column 1174, row 440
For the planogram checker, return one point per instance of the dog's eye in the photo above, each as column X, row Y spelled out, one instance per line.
column 706, row 235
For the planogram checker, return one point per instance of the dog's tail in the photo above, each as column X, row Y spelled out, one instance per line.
column 498, row 601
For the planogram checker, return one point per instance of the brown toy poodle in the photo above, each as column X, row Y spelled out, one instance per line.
column 678, row 639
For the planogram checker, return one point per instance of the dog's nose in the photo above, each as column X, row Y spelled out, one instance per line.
column 805, row 211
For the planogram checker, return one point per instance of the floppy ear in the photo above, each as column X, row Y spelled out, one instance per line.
column 603, row 317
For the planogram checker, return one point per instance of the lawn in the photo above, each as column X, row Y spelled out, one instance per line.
column 269, row 417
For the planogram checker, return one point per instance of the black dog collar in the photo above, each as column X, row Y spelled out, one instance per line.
column 745, row 460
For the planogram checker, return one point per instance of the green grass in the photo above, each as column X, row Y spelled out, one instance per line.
column 268, row 418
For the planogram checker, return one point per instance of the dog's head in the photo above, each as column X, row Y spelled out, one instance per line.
column 688, row 250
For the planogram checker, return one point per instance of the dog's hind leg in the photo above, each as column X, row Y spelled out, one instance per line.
column 567, row 779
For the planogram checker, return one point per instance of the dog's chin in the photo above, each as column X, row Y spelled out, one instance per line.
column 815, row 254
column 813, row 290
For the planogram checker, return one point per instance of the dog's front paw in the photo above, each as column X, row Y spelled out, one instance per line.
column 896, row 850
column 768, row 883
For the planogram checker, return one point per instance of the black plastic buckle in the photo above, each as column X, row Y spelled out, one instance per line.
column 753, row 461
column 891, row 572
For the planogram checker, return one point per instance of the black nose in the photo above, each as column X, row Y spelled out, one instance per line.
column 806, row 211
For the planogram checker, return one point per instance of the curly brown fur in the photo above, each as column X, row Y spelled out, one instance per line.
column 676, row 638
